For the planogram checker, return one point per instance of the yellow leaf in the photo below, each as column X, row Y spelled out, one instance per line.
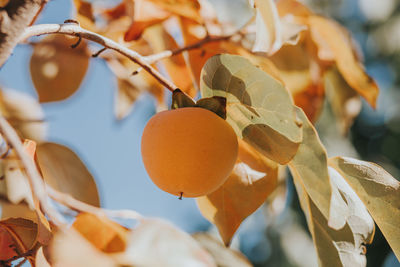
column 379, row 191
column 84, row 14
column 189, row 9
column 104, row 234
column 223, row 256
column 63, row 170
column 57, row 70
column 327, row 33
column 344, row 101
column 253, row 179
column 259, row 108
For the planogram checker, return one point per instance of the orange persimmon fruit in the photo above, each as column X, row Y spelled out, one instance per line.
column 189, row 151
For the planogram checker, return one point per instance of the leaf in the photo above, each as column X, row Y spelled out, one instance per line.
column 259, row 108
column 379, row 191
column 150, row 244
column 344, row 101
column 338, row 41
column 23, row 234
column 57, row 70
column 102, row 233
column 64, row 171
column 224, row 257
column 272, row 32
column 146, row 14
column 85, row 15
column 310, row 166
column 214, row 104
column 186, row 8
column 126, row 95
column 292, row 7
column 252, row 180
column 343, row 247
column 69, row 248
column 24, row 113
column 298, row 71
column 181, row 100
column 160, row 40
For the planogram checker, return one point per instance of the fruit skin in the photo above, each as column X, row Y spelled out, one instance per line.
column 188, row 150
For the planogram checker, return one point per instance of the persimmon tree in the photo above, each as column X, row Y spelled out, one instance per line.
column 266, row 80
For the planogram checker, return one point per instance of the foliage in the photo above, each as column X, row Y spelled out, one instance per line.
column 267, row 78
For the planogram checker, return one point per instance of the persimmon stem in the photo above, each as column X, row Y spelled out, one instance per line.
column 180, row 197
column 75, row 30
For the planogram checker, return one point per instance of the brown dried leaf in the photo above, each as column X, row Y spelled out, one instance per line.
column 64, row 171
column 102, row 233
column 84, row 14
column 57, row 70
column 223, row 256
column 23, row 234
column 189, row 9
column 329, row 35
column 24, row 113
column 253, row 179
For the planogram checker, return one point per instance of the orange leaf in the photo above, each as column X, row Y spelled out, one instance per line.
column 57, row 70
column 251, row 182
column 84, row 14
column 6, row 245
column 327, row 33
column 189, row 9
column 104, row 234
column 160, row 40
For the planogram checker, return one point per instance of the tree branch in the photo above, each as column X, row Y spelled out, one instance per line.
column 35, row 180
column 14, row 18
column 76, row 30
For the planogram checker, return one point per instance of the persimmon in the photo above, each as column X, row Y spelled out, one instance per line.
column 188, row 151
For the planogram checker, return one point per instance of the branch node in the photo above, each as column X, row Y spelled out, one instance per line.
column 99, row 52
column 72, row 21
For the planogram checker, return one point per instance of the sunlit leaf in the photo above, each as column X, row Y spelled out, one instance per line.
column 146, row 14
column 40, row 259
column 259, row 108
column 328, row 34
column 292, row 7
column 63, row 170
column 344, row 101
column 379, row 191
column 57, row 70
column 186, row 8
column 160, row 40
column 102, row 233
column 345, row 246
column 157, row 243
column 84, row 14
column 310, row 166
column 272, row 31
column 24, row 113
column 69, row 248
column 224, row 257
column 251, row 182
column 298, row 72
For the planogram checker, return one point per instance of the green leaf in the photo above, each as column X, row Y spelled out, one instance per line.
column 379, row 191
column 259, row 108
column 310, row 166
column 345, row 246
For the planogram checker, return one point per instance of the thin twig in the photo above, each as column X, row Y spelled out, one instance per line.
column 80, row 206
column 76, row 30
column 34, row 178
